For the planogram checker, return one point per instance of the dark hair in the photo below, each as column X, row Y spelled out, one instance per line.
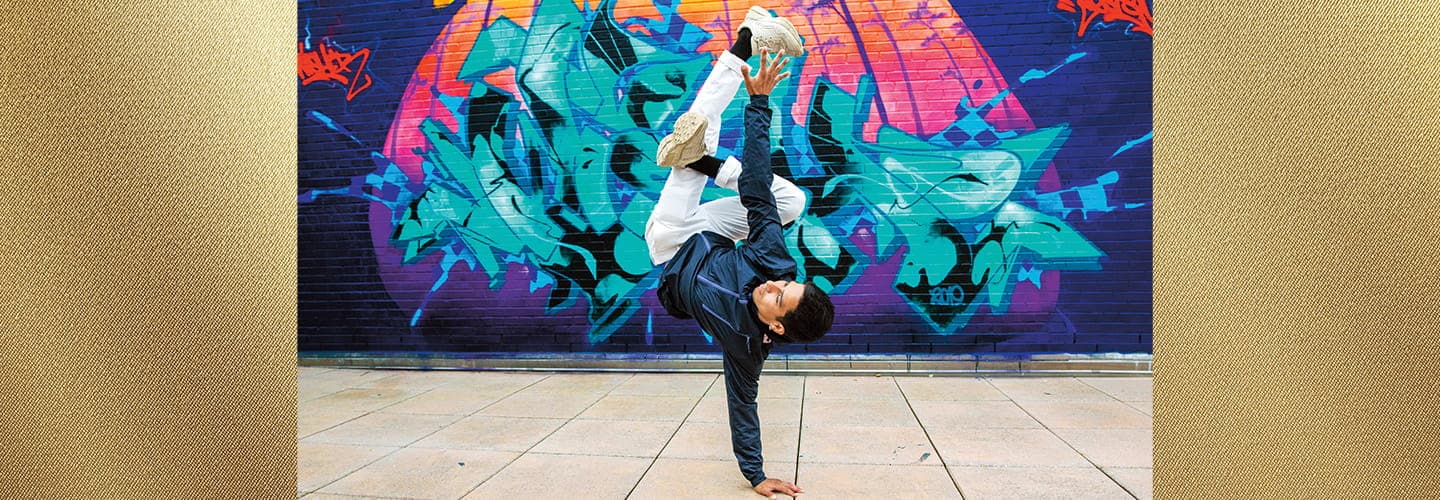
column 811, row 318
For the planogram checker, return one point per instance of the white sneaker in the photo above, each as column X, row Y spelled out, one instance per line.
column 772, row 32
column 685, row 144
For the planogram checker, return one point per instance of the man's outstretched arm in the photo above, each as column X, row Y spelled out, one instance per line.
column 741, row 388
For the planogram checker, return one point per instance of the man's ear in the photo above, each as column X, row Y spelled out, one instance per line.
column 778, row 328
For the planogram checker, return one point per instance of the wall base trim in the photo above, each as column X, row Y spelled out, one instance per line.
column 988, row 364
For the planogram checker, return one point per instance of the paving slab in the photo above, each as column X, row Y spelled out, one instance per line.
column 822, row 481
column 667, row 384
column 1048, row 389
column 330, row 496
column 972, row 415
column 1123, row 388
column 840, row 387
column 312, row 421
column 484, row 432
column 627, row 438
column 1087, row 414
column 650, row 408
column 383, row 429
column 404, row 380
column 543, row 404
column 542, row 475
column 423, row 473
column 848, row 444
column 858, row 412
column 364, row 400
column 506, row 382
column 312, row 390
column 448, row 401
column 1004, row 447
column 777, row 386
column 1040, row 483
column 302, row 372
column 581, row 382
column 319, row 464
column 1112, row 447
column 346, row 376
column 949, row 389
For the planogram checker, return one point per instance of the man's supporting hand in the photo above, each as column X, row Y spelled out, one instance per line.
column 771, row 486
column 770, row 74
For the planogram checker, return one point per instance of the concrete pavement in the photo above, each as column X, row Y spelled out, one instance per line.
column 466, row 434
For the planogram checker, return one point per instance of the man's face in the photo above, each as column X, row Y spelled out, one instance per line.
column 774, row 299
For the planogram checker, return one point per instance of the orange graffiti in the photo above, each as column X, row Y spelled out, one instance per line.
column 328, row 63
column 1137, row 12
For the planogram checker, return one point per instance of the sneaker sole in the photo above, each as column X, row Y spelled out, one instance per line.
column 756, row 16
column 685, row 144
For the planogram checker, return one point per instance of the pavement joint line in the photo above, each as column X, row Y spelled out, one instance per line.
column 547, row 436
column 1067, row 443
column 1107, row 393
column 1117, row 398
column 1137, row 408
column 928, row 438
column 397, row 450
column 656, row 458
column 800, row 433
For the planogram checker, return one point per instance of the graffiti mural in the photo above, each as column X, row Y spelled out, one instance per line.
column 507, row 189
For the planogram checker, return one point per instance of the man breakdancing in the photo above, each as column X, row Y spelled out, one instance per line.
column 745, row 297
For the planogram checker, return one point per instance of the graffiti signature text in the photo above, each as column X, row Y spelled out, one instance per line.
column 1137, row 12
column 330, row 63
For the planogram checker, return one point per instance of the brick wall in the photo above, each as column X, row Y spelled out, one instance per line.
column 476, row 177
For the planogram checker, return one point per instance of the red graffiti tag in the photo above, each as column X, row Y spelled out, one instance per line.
column 1137, row 12
column 329, row 63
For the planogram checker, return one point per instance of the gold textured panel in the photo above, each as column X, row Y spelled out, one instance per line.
column 147, row 268
column 1296, row 191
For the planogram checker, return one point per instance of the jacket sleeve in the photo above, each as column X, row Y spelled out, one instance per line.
column 765, row 245
column 741, row 387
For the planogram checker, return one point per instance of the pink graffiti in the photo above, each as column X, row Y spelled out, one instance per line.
column 1136, row 12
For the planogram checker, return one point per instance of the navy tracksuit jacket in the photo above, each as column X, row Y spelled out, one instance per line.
column 710, row 280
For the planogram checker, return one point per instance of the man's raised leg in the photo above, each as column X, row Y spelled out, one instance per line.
column 678, row 214
column 697, row 131
column 695, row 136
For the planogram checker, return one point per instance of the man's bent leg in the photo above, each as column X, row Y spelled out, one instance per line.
column 673, row 219
column 789, row 199
column 727, row 216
